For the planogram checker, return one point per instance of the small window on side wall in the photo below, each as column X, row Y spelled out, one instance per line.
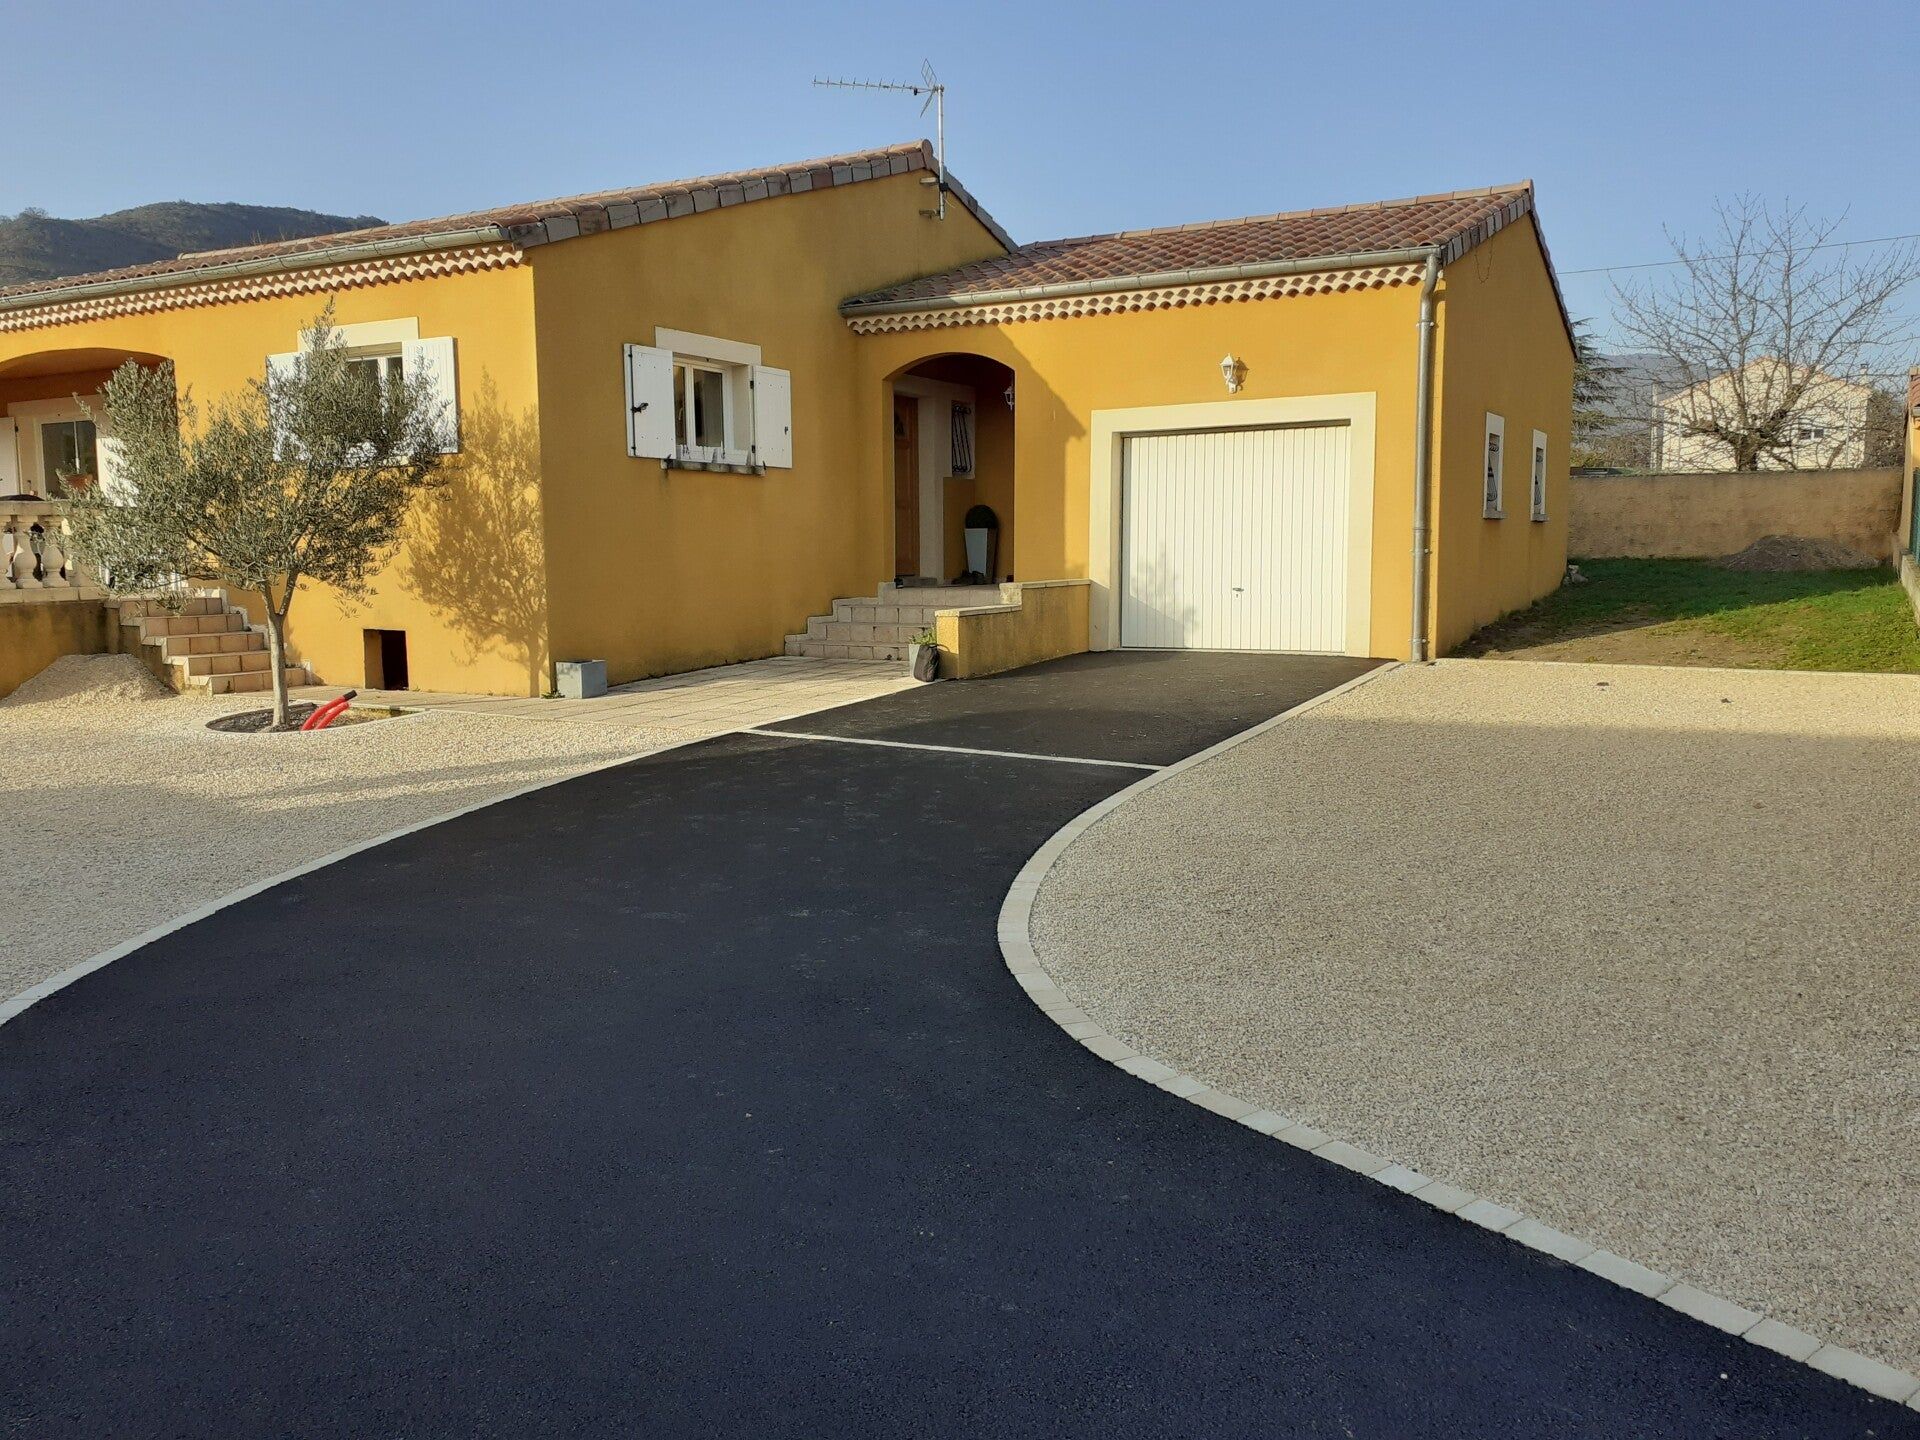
column 701, row 411
column 1539, row 475
column 1492, row 460
column 722, row 411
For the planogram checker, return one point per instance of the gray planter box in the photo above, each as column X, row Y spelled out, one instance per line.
column 580, row 679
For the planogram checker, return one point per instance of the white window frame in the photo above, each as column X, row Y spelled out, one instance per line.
column 735, row 361
column 387, row 362
column 1493, row 464
column 730, row 450
column 1539, row 475
column 32, row 416
column 396, row 345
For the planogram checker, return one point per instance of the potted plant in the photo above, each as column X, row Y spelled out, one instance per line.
column 923, row 655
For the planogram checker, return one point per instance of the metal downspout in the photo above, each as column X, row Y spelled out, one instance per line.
column 1423, row 460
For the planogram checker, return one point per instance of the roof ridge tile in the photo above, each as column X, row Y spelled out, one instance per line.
column 536, row 222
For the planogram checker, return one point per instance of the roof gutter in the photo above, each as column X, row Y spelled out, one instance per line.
column 268, row 265
column 1423, row 458
column 1206, row 275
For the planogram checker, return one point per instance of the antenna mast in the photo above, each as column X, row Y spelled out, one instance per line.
column 929, row 85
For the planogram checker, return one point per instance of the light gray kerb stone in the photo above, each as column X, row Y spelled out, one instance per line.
column 1870, row 1375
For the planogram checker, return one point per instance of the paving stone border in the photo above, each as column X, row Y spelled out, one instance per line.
column 1016, row 949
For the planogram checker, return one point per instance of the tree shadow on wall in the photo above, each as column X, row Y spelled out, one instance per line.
column 476, row 554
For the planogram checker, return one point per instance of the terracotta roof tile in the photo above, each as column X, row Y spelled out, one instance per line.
column 531, row 224
column 1457, row 221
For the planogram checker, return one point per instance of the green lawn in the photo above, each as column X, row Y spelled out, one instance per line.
column 1691, row 612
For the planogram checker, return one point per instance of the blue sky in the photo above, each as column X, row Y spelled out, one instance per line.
column 1063, row 118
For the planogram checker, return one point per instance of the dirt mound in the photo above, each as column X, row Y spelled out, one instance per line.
column 83, row 682
column 1774, row 553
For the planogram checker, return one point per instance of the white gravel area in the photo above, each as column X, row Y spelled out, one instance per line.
column 126, row 811
column 1632, row 950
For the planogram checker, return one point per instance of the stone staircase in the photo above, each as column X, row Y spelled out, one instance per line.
column 200, row 644
column 881, row 626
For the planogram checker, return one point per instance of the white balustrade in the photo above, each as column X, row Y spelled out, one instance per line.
column 35, row 563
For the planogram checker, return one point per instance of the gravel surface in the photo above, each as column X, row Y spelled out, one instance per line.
column 1628, row 949
column 127, row 811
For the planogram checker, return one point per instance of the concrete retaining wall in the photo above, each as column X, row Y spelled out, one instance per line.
column 1050, row 621
column 1651, row 516
column 34, row 635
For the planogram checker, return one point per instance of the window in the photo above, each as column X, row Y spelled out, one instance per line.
column 1496, row 439
column 380, row 371
column 381, row 374
column 701, row 413
column 69, row 456
column 1539, row 475
column 1811, row 432
column 386, row 351
column 701, row 402
column 962, row 440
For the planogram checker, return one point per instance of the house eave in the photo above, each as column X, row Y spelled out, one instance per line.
column 1152, row 280
column 248, row 269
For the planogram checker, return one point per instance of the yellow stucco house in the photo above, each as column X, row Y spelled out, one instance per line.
column 724, row 418
column 1907, row 551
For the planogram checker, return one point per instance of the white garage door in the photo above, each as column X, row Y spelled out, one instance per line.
column 1235, row 540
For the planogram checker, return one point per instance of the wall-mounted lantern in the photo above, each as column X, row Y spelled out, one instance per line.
column 1234, row 371
column 1009, row 397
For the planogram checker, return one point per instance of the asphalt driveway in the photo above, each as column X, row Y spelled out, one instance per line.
column 692, row 1097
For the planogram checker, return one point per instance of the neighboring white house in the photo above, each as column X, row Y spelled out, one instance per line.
column 1818, row 420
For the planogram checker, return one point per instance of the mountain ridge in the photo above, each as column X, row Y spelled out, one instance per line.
column 37, row 246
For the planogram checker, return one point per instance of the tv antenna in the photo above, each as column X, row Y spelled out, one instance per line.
column 928, row 85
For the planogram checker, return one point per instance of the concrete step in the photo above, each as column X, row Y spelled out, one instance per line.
column 872, row 612
column 849, row 632
column 944, row 597
column 153, row 627
column 139, row 608
column 881, row 626
column 230, row 642
column 833, row 650
column 248, row 683
column 237, row 663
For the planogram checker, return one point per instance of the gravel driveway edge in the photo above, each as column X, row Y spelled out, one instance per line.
column 31, row 996
column 1023, row 962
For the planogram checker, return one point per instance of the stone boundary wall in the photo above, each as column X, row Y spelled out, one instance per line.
column 1675, row 516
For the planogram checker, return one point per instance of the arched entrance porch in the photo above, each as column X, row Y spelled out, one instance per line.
column 951, row 455
column 53, row 437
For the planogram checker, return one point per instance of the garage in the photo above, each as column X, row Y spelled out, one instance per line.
column 1236, row 539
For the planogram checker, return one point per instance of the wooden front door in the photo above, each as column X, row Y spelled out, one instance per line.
column 906, row 485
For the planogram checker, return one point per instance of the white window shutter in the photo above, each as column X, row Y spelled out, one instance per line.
column 649, row 402
column 434, row 359
column 9, row 455
column 109, row 460
column 772, row 417
column 281, row 368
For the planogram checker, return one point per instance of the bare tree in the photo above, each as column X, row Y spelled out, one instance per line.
column 305, row 475
column 1766, row 323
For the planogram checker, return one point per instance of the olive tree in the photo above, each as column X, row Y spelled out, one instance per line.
column 305, row 475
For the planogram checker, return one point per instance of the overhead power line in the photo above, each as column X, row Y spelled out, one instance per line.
column 1825, row 245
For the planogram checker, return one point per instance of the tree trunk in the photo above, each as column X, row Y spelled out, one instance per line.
column 277, row 658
